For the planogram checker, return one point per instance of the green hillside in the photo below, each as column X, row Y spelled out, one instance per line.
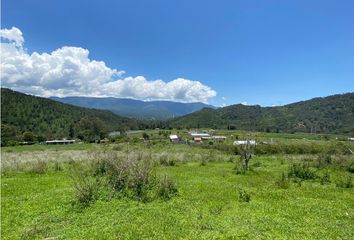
column 50, row 118
column 333, row 114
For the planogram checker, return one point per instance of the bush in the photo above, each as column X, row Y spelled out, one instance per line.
column 142, row 180
column 86, row 187
column 167, row 188
column 244, row 196
column 301, row 171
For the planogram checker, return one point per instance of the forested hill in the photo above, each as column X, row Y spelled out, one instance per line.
column 333, row 114
column 50, row 118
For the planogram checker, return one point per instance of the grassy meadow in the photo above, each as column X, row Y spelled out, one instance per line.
column 132, row 189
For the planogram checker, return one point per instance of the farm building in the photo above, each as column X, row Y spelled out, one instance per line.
column 351, row 139
column 197, row 139
column 174, row 138
column 244, row 142
column 219, row 138
column 62, row 141
column 195, row 134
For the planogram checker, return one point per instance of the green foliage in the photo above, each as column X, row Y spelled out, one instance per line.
column 325, row 178
column 91, row 129
column 345, row 182
column 28, row 137
column 244, row 196
column 207, row 207
column 301, row 171
column 146, row 136
column 333, row 114
column 283, row 182
column 51, row 119
column 86, row 187
column 8, row 135
column 167, row 188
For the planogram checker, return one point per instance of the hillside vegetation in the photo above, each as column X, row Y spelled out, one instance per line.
column 50, row 118
column 333, row 114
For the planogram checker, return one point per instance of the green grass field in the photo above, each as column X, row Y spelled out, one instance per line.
column 41, row 204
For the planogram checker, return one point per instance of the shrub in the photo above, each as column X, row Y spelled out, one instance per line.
column 167, row 188
column 301, row 171
column 142, row 180
column 86, row 187
column 244, row 196
column 117, row 172
column 283, row 182
column 345, row 182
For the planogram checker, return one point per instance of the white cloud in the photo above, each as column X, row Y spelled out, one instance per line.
column 245, row 103
column 13, row 35
column 68, row 71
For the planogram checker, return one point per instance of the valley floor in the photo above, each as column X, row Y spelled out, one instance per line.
column 207, row 206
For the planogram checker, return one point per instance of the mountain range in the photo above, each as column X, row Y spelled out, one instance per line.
column 148, row 110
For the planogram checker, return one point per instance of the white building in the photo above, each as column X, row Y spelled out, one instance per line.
column 174, row 138
column 244, row 142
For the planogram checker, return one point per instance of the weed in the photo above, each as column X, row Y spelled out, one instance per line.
column 244, row 196
column 301, row 171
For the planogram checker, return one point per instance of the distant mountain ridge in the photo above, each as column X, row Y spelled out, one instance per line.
column 332, row 114
column 160, row 110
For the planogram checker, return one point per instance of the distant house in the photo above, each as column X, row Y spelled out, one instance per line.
column 244, row 142
column 219, row 138
column 62, row 141
column 351, row 139
column 105, row 140
column 197, row 139
column 202, row 135
column 174, row 138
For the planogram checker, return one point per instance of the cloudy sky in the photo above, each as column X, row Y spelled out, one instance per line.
column 220, row 52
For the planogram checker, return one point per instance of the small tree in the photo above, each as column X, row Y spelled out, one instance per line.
column 28, row 137
column 146, row 136
column 246, row 150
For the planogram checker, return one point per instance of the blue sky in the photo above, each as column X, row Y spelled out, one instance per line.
column 259, row 52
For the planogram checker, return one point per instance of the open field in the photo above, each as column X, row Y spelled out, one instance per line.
column 213, row 200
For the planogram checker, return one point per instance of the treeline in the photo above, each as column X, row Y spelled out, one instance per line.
column 333, row 114
column 48, row 119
